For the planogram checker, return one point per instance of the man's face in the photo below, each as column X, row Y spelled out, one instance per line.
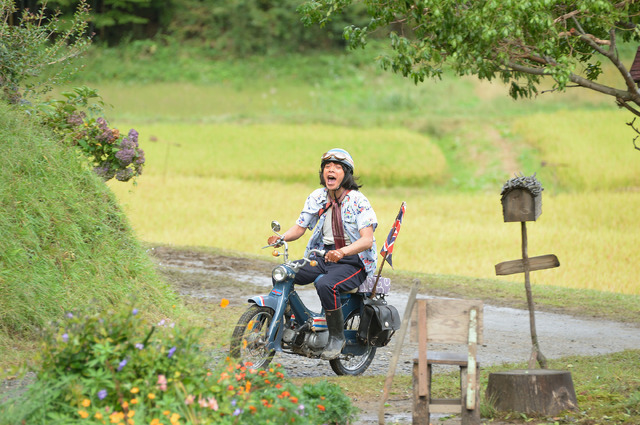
column 333, row 175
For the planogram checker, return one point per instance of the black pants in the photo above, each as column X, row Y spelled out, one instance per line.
column 342, row 276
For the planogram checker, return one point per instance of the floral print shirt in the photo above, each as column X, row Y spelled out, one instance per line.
column 357, row 214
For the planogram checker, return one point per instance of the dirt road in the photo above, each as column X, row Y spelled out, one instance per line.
column 506, row 330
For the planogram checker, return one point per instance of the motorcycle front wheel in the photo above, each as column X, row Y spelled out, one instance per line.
column 354, row 365
column 249, row 339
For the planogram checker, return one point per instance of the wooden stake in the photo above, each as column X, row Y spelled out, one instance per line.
column 536, row 354
column 398, row 349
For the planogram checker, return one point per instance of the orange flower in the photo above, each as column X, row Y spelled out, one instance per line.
column 280, row 375
column 98, row 415
column 155, row 421
column 321, row 407
column 278, row 386
column 224, row 303
column 293, row 399
column 134, row 401
column 284, row 394
column 83, row 414
column 125, row 405
column 230, row 387
column 252, row 409
column 135, row 390
column 86, row 402
column 248, row 386
column 151, row 396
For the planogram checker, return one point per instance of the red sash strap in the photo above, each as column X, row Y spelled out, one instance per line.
column 336, row 221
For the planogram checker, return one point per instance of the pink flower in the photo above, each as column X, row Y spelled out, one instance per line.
column 189, row 400
column 213, row 403
column 202, row 402
column 162, row 383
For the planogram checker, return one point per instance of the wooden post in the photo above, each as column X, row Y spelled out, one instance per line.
column 536, row 354
column 398, row 350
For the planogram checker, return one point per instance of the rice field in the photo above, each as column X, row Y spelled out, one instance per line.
column 220, row 185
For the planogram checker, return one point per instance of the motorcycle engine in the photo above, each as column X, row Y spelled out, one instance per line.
column 305, row 341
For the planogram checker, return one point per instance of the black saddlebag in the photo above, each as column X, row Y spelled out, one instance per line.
column 378, row 323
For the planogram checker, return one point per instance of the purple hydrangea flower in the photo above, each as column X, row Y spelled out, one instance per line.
column 133, row 136
column 76, row 118
column 172, row 350
column 104, row 171
column 124, row 174
column 125, row 155
column 122, row 365
column 102, row 394
column 140, row 159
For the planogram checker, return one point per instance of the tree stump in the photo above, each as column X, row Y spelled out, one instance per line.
column 540, row 391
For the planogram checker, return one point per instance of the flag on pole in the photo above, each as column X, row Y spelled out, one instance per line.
column 387, row 248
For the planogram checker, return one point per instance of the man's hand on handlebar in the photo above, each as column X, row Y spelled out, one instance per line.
column 334, row 256
column 274, row 240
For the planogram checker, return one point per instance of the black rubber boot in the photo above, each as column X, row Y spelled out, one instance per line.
column 335, row 324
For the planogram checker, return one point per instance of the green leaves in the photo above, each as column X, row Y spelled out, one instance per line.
column 518, row 40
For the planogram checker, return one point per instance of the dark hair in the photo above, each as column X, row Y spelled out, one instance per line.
column 349, row 182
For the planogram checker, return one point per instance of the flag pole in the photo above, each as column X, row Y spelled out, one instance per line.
column 384, row 256
column 375, row 285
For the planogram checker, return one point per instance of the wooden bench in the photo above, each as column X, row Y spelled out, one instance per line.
column 452, row 322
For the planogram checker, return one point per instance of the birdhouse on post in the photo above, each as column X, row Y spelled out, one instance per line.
column 635, row 68
column 522, row 199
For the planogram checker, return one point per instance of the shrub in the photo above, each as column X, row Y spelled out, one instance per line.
column 40, row 41
column 78, row 121
column 114, row 367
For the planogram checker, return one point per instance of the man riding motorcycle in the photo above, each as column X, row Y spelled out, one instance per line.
column 344, row 223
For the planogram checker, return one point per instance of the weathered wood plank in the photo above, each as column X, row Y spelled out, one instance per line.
column 535, row 263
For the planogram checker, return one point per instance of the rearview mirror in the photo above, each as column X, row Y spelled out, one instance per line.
column 275, row 226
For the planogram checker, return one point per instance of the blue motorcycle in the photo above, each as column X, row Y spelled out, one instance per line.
column 280, row 322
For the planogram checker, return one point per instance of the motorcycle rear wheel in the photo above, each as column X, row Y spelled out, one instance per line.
column 356, row 365
column 249, row 339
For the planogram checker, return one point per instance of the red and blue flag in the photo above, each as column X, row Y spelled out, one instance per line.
column 387, row 248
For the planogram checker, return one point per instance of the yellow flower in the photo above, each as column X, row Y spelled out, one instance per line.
column 134, row 401
column 131, row 413
column 83, row 414
column 155, row 421
column 175, row 418
column 151, row 396
column 135, row 390
column 86, row 402
column 116, row 417
column 98, row 415
column 166, row 412
column 125, row 405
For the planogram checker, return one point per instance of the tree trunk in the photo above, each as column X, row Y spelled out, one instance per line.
column 540, row 391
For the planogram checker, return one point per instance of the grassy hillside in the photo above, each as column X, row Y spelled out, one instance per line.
column 65, row 244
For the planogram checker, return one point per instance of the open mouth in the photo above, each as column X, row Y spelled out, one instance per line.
column 331, row 179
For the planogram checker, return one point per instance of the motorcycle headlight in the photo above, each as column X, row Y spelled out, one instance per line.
column 280, row 273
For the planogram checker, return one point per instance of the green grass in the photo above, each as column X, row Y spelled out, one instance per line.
column 64, row 240
column 607, row 390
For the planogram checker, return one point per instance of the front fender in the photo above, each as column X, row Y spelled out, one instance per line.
column 264, row 301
